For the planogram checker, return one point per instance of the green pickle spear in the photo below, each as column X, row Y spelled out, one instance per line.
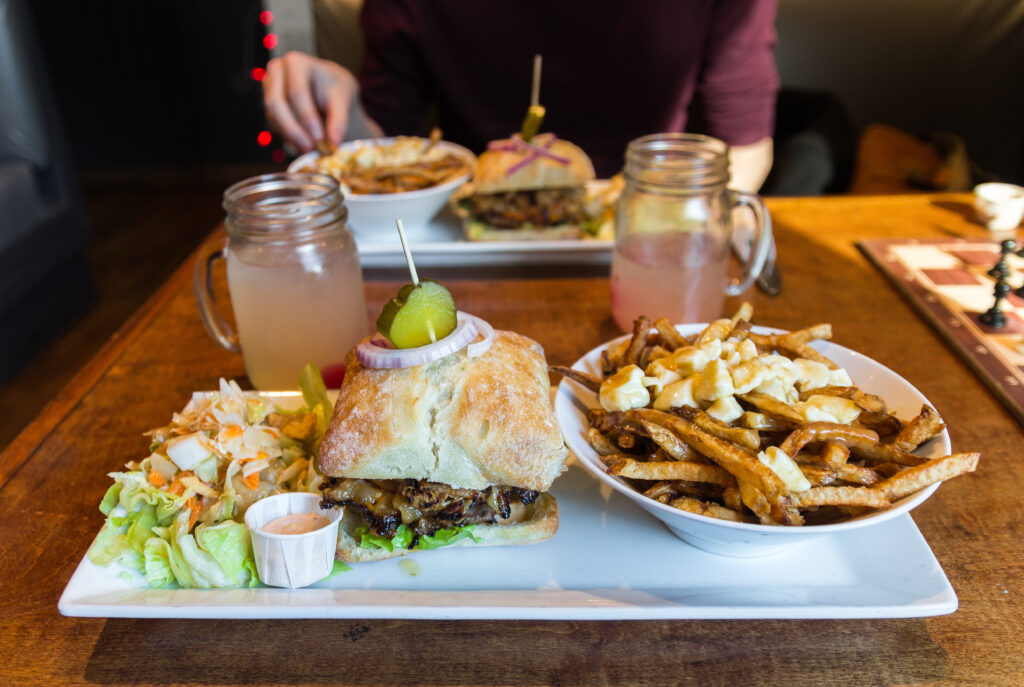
column 420, row 314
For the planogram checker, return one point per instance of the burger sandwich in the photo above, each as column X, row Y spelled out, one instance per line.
column 527, row 190
column 457, row 451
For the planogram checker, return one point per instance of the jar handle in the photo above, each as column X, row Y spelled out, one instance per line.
column 202, row 285
column 762, row 242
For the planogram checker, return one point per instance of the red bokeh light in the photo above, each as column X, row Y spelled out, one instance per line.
column 264, row 138
column 257, row 73
column 266, row 16
column 277, row 156
column 270, row 41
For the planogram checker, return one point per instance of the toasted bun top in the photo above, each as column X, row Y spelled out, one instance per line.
column 492, row 167
column 466, row 422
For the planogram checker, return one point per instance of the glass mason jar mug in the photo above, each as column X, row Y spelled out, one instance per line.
column 294, row 279
column 673, row 232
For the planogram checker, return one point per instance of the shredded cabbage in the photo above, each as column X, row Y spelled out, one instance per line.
column 193, row 536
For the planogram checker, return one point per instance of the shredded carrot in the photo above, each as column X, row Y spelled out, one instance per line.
column 260, row 455
column 177, row 488
column 232, row 431
column 253, row 480
column 156, row 479
column 194, row 505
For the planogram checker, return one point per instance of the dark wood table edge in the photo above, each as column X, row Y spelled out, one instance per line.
column 25, row 444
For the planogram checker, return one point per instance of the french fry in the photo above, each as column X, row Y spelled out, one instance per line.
column 737, row 461
column 673, row 445
column 822, row 332
column 641, row 328
column 937, row 470
column 745, row 438
column 584, row 379
column 670, row 336
column 919, row 430
column 762, row 422
column 670, row 470
column 699, row 507
column 835, row 454
column 773, row 407
column 719, row 329
column 792, row 346
column 840, row 496
column 742, row 314
column 600, row 443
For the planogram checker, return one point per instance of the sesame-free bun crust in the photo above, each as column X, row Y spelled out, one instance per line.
column 541, row 523
column 466, row 422
column 491, row 175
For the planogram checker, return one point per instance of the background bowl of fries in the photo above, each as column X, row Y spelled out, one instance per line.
column 745, row 539
column 404, row 171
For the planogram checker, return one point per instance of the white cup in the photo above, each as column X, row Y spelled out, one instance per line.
column 999, row 206
column 292, row 560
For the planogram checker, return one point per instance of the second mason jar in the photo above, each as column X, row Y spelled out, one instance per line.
column 294, row 278
column 673, row 231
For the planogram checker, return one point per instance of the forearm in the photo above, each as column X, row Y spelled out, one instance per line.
column 749, row 165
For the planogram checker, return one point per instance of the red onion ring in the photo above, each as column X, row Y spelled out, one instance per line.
column 478, row 348
column 377, row 353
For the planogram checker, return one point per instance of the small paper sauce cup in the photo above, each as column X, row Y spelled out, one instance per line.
column 292, row 560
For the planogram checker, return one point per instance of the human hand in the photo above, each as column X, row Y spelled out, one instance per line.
column 308, row 99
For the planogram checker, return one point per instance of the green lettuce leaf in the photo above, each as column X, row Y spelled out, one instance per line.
column 110, row 499
column 404, row 534
column 446, row 537
column 314, row 393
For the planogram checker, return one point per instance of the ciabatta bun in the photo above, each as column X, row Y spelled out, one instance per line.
column 466, row 422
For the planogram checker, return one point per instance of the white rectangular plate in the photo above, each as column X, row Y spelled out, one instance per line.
column 609, row 560
column 441, row 244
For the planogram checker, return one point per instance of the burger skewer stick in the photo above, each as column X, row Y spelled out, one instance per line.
column 536, row 111
column 412, row 270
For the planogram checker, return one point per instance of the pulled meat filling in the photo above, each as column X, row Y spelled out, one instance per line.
column 542, row 208
column 426, row 507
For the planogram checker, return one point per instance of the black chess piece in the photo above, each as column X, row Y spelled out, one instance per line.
column 1001, row 270
column 994, row 316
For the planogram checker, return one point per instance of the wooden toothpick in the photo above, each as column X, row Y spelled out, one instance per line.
column 408, row 253
column 535, row 92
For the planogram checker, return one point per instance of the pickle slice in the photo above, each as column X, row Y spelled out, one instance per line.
column 418, row 315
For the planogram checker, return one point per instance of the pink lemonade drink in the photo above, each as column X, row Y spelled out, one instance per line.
column 289, row 314
column 678, row 275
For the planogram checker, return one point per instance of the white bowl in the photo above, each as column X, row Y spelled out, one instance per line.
column 737, row 538
column 999, row 206
column 371, row 216
column 292, row 560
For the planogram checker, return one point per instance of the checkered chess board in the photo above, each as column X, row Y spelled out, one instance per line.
column 947, row 281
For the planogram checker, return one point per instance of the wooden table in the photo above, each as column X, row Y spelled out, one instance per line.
column 53, row 476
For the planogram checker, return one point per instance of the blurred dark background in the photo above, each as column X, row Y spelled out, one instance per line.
column 121, row 122
column 144, row 84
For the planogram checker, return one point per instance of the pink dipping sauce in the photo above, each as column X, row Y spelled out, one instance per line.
column 296, row 523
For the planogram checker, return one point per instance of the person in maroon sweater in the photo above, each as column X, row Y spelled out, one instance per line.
column 613, row 71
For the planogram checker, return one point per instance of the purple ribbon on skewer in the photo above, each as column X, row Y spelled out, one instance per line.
column 517, row 145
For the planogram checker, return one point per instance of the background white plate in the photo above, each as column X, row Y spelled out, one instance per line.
column 609, row 560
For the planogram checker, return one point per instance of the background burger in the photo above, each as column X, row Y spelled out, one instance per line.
column 527, row 190
column 459, row 451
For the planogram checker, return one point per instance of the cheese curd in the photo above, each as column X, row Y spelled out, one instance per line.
column 820, row 408
column 726, row 409
column 785, row 467
column 711, row 374
column 677, row 395
column 624, row 390
column 714, row 382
